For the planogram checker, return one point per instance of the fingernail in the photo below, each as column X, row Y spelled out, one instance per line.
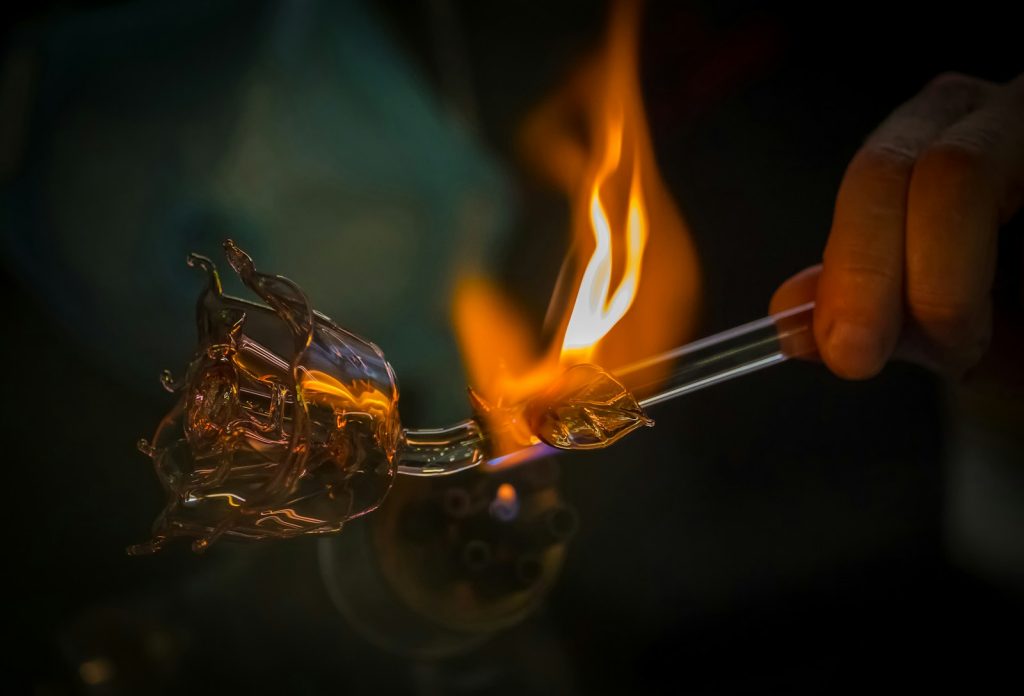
column 854, row 351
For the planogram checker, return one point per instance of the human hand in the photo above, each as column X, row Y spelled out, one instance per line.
column 909, row 263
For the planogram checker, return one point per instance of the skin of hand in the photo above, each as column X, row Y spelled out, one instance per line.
column 909, row 264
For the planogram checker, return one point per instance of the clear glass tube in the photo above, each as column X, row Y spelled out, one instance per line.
column 684, row 370
column 723, row 356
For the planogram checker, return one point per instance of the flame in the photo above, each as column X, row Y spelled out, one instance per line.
column 506, row 493
column 596, row 309
column 629, row 285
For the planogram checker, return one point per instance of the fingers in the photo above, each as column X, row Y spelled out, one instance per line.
column 859, row 314
column 911, row 254
column 964, row 184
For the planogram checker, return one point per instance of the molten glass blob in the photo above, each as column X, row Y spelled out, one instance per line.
column 585, row 408
column 287, row 424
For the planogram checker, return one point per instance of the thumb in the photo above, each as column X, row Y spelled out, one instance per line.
column 800, row 289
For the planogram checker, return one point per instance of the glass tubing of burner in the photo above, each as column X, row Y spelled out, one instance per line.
column 684, row 370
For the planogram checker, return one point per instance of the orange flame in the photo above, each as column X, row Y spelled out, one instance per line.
column 597, row 309
column 632, row 263
column 506, row 493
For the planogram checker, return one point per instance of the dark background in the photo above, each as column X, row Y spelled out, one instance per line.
column 787, row 531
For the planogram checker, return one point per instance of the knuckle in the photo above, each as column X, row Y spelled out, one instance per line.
column 958, row 162
column 953, row 84
column 955, row 154
column 886, row 160
column 861, row 265
column 947, row 319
